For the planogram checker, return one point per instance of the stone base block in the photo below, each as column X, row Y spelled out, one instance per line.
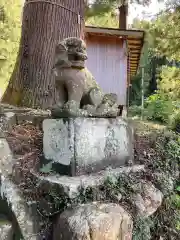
column 85, row 145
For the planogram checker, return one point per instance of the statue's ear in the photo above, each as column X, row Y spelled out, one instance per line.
column 61, row 56
column 60, row 49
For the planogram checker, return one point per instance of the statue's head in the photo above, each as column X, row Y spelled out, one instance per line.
column 71, row 52
column 76, row 48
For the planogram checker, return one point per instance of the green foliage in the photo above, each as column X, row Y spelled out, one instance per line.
column 169, row 83
column 142, row 228
column 166, row 219
column 176, row 200
column 164, row 105
column 147, row 60
column 100, row 7
column 166, row 158
column 173, row 148
column 135, row 91
column 178, row 189
column 169, row 143
column 109, row 19
column 163, row 169
column 134, row 111
column 158, row 108
column 10, row 12
column 162, row 41
column 166, row 37
column 105, row 14
column 122, row 185
column 165, row 31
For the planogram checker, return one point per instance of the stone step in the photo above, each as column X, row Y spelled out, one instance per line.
column 70, row 185
column 27, row 219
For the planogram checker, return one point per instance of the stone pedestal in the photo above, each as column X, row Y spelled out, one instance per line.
column 86, row 145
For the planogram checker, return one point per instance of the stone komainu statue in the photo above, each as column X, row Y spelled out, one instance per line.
column 78, row 92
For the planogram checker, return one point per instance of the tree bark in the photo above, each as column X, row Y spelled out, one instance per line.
column 44, row 24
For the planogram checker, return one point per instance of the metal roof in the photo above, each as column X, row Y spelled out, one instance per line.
column 135, row 41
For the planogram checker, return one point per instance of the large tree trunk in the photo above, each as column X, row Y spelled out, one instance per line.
column 44, row 24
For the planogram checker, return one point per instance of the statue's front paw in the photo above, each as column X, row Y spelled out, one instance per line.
column 71, row 108
column 90, row 110
column 110, row 98
column 102, row 109
column 105, row 110
column 71, row 105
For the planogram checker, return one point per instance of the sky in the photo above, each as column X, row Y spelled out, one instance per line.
column 137, row 11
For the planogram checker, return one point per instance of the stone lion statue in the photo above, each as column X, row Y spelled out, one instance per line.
column 78, row 92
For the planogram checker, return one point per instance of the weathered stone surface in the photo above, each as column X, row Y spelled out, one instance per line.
column 148, row 199
column 14, row 109
column 1, row 111
column 3, row 126
column 6, row 230
column 164, row 182
column 6, row 122
column 6, row 158
column 12, row 115
column 29, row 225
column 70, row 185
column 105, row 110
column 75, row 83
column 7, row 218
column 94, row 222
column 10, row 118
column 87, row 144
column 57, row 144
column 31, row 117
column 76, row 51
